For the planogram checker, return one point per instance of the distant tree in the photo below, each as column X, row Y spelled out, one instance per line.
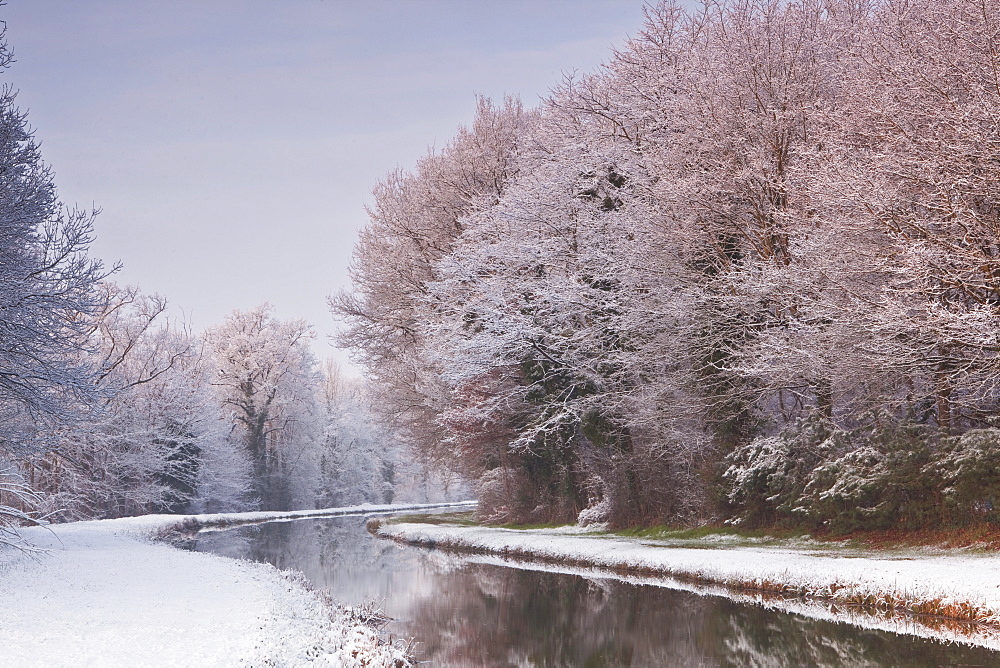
column 266, row 377
column 359, row 455
column 153, row 439
column 364, row 459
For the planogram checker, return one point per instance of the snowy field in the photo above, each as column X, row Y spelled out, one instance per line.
column 827, row 582
column 104, row 593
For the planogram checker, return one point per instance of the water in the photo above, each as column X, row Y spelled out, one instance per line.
column 464, row 613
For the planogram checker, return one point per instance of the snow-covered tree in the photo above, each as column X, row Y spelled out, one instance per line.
column 758, row 216
column 47, row 282
column 266, row 377
column 47, row 294
column 364, row 459
column 922, row 135
column 359, row 454
column 152, row 441
column 548, row 296
column 413, row 222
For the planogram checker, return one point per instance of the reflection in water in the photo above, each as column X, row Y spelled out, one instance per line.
column 473, row 614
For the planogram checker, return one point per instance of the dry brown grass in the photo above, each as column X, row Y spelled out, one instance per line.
column 983, row 535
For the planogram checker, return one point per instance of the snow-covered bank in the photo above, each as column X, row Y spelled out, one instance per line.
column 106, row 594
column 233, row 519
column 807, row 580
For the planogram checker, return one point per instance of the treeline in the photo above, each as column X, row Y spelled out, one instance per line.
column 749, row 270
column 108, row 408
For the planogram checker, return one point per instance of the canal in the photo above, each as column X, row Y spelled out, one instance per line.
column 460, row 611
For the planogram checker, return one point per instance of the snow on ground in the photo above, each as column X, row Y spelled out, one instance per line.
column 106, row 594
column 823, row 581
column 228, row 519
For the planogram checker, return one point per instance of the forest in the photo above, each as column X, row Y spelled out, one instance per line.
column 748, row 271
column 111, row 408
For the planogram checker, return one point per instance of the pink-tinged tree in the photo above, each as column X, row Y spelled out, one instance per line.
column 413, row 222
column 763, row 81
column 920, row 136
column 549, row 313
column 757, row 213
column 721, row 110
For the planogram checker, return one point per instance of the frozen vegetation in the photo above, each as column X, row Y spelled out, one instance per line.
column 106, row 593
column 759, row 244
column 747, row 271
column 828, row 581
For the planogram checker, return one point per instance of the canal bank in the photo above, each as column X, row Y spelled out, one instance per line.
column 107, row 593
column 951, row 595
column 463, row 609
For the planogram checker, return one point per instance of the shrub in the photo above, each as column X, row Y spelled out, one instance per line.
column 969, row 470
column 846, row 493
column 884, row 482
column 767, row 477
column 871, row 478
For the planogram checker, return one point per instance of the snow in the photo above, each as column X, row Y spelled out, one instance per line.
column 821, row 583
column 228, row 519
column 104, row 593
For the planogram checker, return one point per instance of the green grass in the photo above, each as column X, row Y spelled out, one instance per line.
column 703, row 537
column 466, row 518
column 677, row 533
column 525, row 527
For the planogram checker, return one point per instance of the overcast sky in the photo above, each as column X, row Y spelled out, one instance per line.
column 232, row 144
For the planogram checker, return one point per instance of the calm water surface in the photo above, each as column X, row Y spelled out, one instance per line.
column 462, row 613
